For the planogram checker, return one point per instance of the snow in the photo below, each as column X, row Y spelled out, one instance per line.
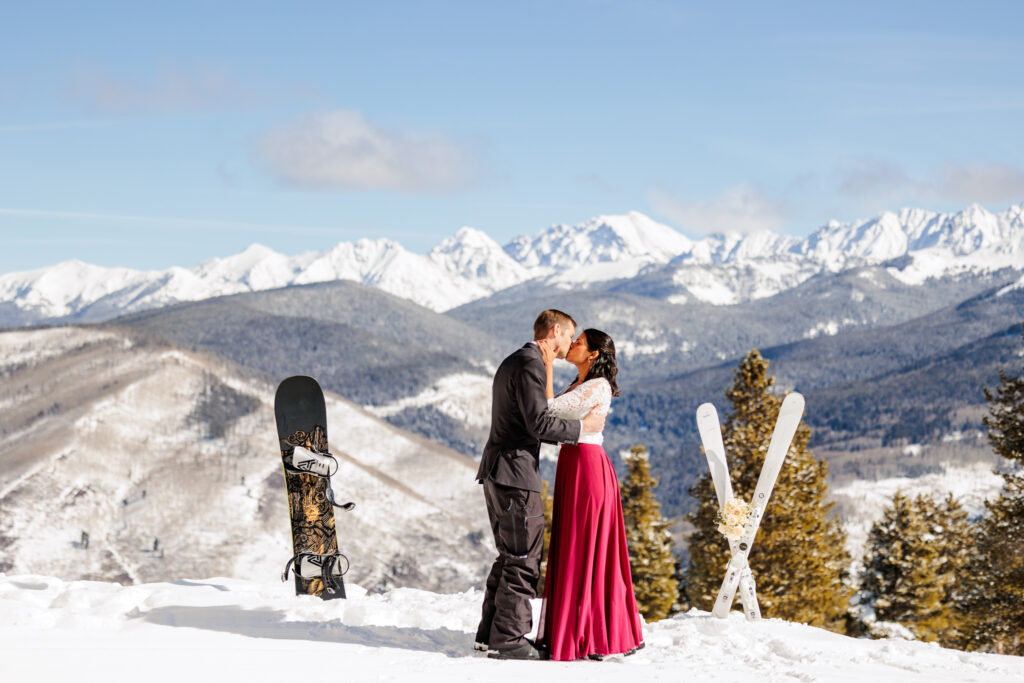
column 631, row 349
column 1019, row 284
column 601, row 239
column 464, row 397
column 124, row 459
column 37, row 346
column 827, row 327
column 719, row 269
column 257, row 630
column 471, row 254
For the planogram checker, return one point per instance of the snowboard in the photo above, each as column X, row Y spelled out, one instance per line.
column 301, row 416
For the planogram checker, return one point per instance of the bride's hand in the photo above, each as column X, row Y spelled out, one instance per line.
column 547, row 351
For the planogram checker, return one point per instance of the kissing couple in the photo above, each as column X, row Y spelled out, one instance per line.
column 589, row 609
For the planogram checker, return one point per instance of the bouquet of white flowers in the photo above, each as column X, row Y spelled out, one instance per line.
column 732, row 518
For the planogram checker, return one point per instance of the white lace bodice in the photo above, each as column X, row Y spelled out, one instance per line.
column 575, row 404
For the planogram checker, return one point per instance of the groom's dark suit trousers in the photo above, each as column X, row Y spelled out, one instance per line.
column 517, row 520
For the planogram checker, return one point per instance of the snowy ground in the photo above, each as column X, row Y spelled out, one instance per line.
column 230, row 629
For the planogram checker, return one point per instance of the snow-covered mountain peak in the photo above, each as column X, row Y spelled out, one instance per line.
column 56, row 290
column 1015, row 215
column 469, row 237
column 257, row 251
column 256, row 267
column 469, row 265
column 602, row 239
column 473, row 255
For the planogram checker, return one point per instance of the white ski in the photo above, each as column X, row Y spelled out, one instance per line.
column 738, row 574
column 711, row 436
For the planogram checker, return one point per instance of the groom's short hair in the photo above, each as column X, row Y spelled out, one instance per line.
column 548, row 319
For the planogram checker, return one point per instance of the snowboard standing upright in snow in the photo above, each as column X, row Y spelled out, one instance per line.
column 302, row 429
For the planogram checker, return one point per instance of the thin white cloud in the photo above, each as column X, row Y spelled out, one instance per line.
column 741, row 209
column 54, row 125
column 180, row 223
column 873, row 179
column 342, row 150
column 169, row 88
column 981, row 182
column 881, row 183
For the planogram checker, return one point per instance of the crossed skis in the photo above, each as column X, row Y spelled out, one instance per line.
column 738, row 574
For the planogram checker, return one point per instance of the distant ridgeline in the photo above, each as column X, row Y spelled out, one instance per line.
column 890, row 327
column 629, row 253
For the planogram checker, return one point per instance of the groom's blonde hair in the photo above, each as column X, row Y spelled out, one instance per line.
column 548, row 319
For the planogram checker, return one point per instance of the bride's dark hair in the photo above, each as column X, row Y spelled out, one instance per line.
column 604, row 365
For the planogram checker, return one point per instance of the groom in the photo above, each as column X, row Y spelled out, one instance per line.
column 511, row 478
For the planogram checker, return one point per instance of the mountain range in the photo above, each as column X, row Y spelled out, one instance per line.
column 630, row 253
column 890, row 327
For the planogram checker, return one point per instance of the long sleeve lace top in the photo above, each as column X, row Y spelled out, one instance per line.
column 575, row 404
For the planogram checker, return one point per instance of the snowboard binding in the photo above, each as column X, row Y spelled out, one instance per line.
column 327, row 568
column 310, row 461
column 324, row 465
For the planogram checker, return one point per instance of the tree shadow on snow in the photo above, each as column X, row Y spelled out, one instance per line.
column 268, row 623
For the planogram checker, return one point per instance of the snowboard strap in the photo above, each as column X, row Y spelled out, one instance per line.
column 347, row 507
column 287, row 568
column 332, row 581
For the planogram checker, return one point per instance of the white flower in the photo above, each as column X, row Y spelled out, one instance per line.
column 733, row 517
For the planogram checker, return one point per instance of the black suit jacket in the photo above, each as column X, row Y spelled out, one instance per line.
column 520, row 421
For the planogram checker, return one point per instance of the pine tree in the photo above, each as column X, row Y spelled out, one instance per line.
column 648, row 538
column 549, row 506
column 799, row 557
column 994, row 593
column 956, row 533
column 911, row 562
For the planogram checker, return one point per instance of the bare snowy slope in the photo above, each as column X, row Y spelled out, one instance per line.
column 169, row 462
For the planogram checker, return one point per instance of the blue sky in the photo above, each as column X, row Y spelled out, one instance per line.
column 148, row 137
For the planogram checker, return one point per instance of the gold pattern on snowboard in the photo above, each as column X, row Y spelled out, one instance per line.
column 311, row 513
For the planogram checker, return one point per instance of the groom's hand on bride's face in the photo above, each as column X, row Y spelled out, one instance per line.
column 594, row 420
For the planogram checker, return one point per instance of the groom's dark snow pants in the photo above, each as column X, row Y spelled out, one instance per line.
column 517, row 521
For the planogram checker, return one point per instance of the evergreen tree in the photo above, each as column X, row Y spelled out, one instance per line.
column 648, row 538
column 956, row 534
column 549, row 506
column 994, row 593
column 911, row 562
column 799, row 557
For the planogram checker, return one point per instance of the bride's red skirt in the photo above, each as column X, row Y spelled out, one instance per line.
column 589, row 606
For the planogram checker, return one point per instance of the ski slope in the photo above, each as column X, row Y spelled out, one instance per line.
column 234, row 629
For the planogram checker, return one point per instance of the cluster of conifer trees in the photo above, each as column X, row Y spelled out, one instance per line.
column 928, row 573
column 933, row 574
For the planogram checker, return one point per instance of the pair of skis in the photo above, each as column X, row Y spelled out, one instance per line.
column 738, row 574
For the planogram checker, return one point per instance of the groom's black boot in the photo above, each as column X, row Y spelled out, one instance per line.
column 524, row 651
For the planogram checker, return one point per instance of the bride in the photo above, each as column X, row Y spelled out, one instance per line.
column 589, row 609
